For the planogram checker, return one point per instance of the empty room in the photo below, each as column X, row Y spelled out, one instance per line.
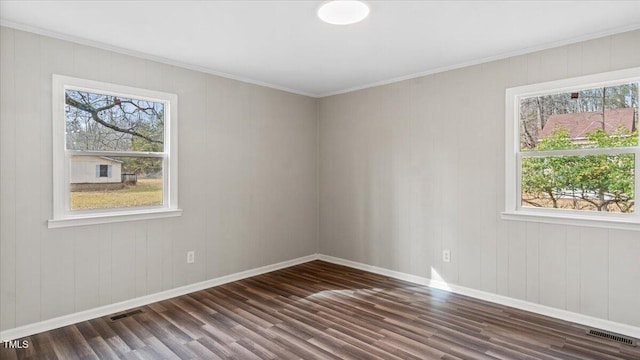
column 319, row 179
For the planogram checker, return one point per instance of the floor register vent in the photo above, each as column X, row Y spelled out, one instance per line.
column 611, row 336
column 127, row 314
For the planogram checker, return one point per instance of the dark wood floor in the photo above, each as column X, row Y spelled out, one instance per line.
column 319, row 310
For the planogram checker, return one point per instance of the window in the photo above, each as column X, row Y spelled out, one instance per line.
column 104, row 171
column 572, row 151
column 115, row 153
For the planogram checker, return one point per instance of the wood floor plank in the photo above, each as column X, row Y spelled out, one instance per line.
column 118, row 346
column 319, row 310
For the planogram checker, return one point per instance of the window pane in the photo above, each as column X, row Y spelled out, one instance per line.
column 589, row 183
column 589, row 118
column 102, row 122
column 104, row 170
column 101, row 182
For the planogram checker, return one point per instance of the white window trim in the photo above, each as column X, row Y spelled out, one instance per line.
column 513, row 208
column 62, row 216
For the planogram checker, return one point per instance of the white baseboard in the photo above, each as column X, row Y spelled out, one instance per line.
column 581, row 319
column 74, row 318
column 65, row 320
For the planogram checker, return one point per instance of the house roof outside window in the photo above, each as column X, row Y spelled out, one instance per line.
column 580, row 124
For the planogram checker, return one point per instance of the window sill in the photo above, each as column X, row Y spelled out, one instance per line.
column 570, row 219
column 95, row 219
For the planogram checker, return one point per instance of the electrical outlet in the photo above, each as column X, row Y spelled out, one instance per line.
column 191, row 257
column 446, row 255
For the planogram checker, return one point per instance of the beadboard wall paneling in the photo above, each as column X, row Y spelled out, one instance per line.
column 411, row 168
column 403, row 171
column 247, row 184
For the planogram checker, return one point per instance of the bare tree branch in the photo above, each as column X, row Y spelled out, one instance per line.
column 94, row 115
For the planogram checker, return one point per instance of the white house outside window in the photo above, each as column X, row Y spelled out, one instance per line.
column 573, row 154
column 115, row 153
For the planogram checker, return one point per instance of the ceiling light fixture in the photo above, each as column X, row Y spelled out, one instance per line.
column 343, row 12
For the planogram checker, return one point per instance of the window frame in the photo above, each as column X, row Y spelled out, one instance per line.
column 106, row 172
column 63, row 216
column 513, row 156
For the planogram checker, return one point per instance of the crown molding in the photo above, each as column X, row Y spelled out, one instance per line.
column 502, row 56
column 100, row 45
column 142, row 55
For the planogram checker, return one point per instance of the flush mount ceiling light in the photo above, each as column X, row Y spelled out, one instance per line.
column 343, row 12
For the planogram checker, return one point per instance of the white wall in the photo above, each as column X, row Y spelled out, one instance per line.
column 83, row 170
column 414, row 167
column 247, row 184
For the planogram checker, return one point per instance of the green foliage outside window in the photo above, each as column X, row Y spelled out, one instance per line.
column 583, row 182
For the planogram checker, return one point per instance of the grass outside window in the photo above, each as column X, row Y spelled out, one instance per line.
column 146, row 192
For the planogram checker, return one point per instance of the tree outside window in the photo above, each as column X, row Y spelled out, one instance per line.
column 574, row 149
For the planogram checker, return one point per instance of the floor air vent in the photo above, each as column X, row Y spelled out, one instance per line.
column 127, row 314
column 610, row 336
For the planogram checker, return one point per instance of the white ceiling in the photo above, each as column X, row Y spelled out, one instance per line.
column 284, row 45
